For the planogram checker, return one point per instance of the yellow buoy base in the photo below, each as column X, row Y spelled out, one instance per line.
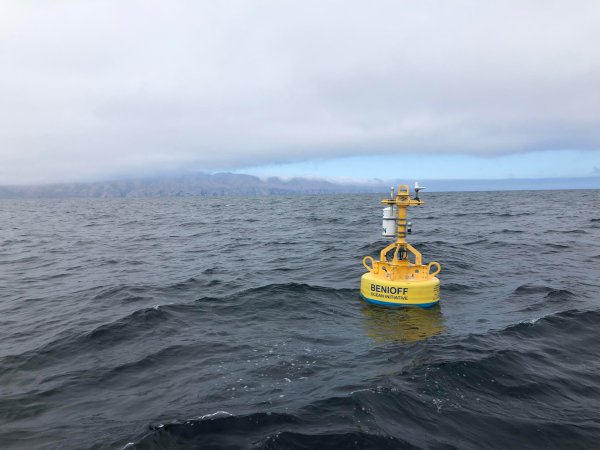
column 381, row 291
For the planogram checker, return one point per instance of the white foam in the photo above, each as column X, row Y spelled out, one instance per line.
column 215, row 415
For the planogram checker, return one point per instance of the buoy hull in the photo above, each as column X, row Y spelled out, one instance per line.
column 380, row 291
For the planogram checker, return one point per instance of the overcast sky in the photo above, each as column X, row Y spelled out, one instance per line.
column 99, row 89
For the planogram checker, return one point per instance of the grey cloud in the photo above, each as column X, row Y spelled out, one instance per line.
column 93, row 89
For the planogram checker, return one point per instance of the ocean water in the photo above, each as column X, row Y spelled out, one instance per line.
column 237, row 323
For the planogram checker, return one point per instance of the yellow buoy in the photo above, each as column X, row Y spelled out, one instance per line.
column 395, row 280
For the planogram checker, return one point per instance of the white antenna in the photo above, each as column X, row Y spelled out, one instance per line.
column 417, row 189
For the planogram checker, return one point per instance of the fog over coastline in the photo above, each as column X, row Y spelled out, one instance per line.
column 230, row 184
column 95, row 90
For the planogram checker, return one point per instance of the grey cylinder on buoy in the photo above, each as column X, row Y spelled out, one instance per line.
column 390, row 216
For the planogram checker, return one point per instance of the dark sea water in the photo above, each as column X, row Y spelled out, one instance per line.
column 237, row 323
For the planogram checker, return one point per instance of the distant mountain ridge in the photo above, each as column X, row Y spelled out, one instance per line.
column 222, row 184
column 183, row 186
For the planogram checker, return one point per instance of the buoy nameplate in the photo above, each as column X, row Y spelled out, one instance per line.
column 400, row 293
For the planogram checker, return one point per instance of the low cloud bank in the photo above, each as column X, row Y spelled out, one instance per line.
column 105, row 88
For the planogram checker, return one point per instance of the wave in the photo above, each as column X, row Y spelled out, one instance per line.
column 150, row 319
column 456, row 287
column 509, row 214
column 214, row 430
column 491, row 214
column 526, row 289
column 476, row 242
column 488, row 380
column 334, row 441
column 315, row 427
column 104, row 336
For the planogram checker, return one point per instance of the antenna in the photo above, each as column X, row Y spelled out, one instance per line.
column 417, row 189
